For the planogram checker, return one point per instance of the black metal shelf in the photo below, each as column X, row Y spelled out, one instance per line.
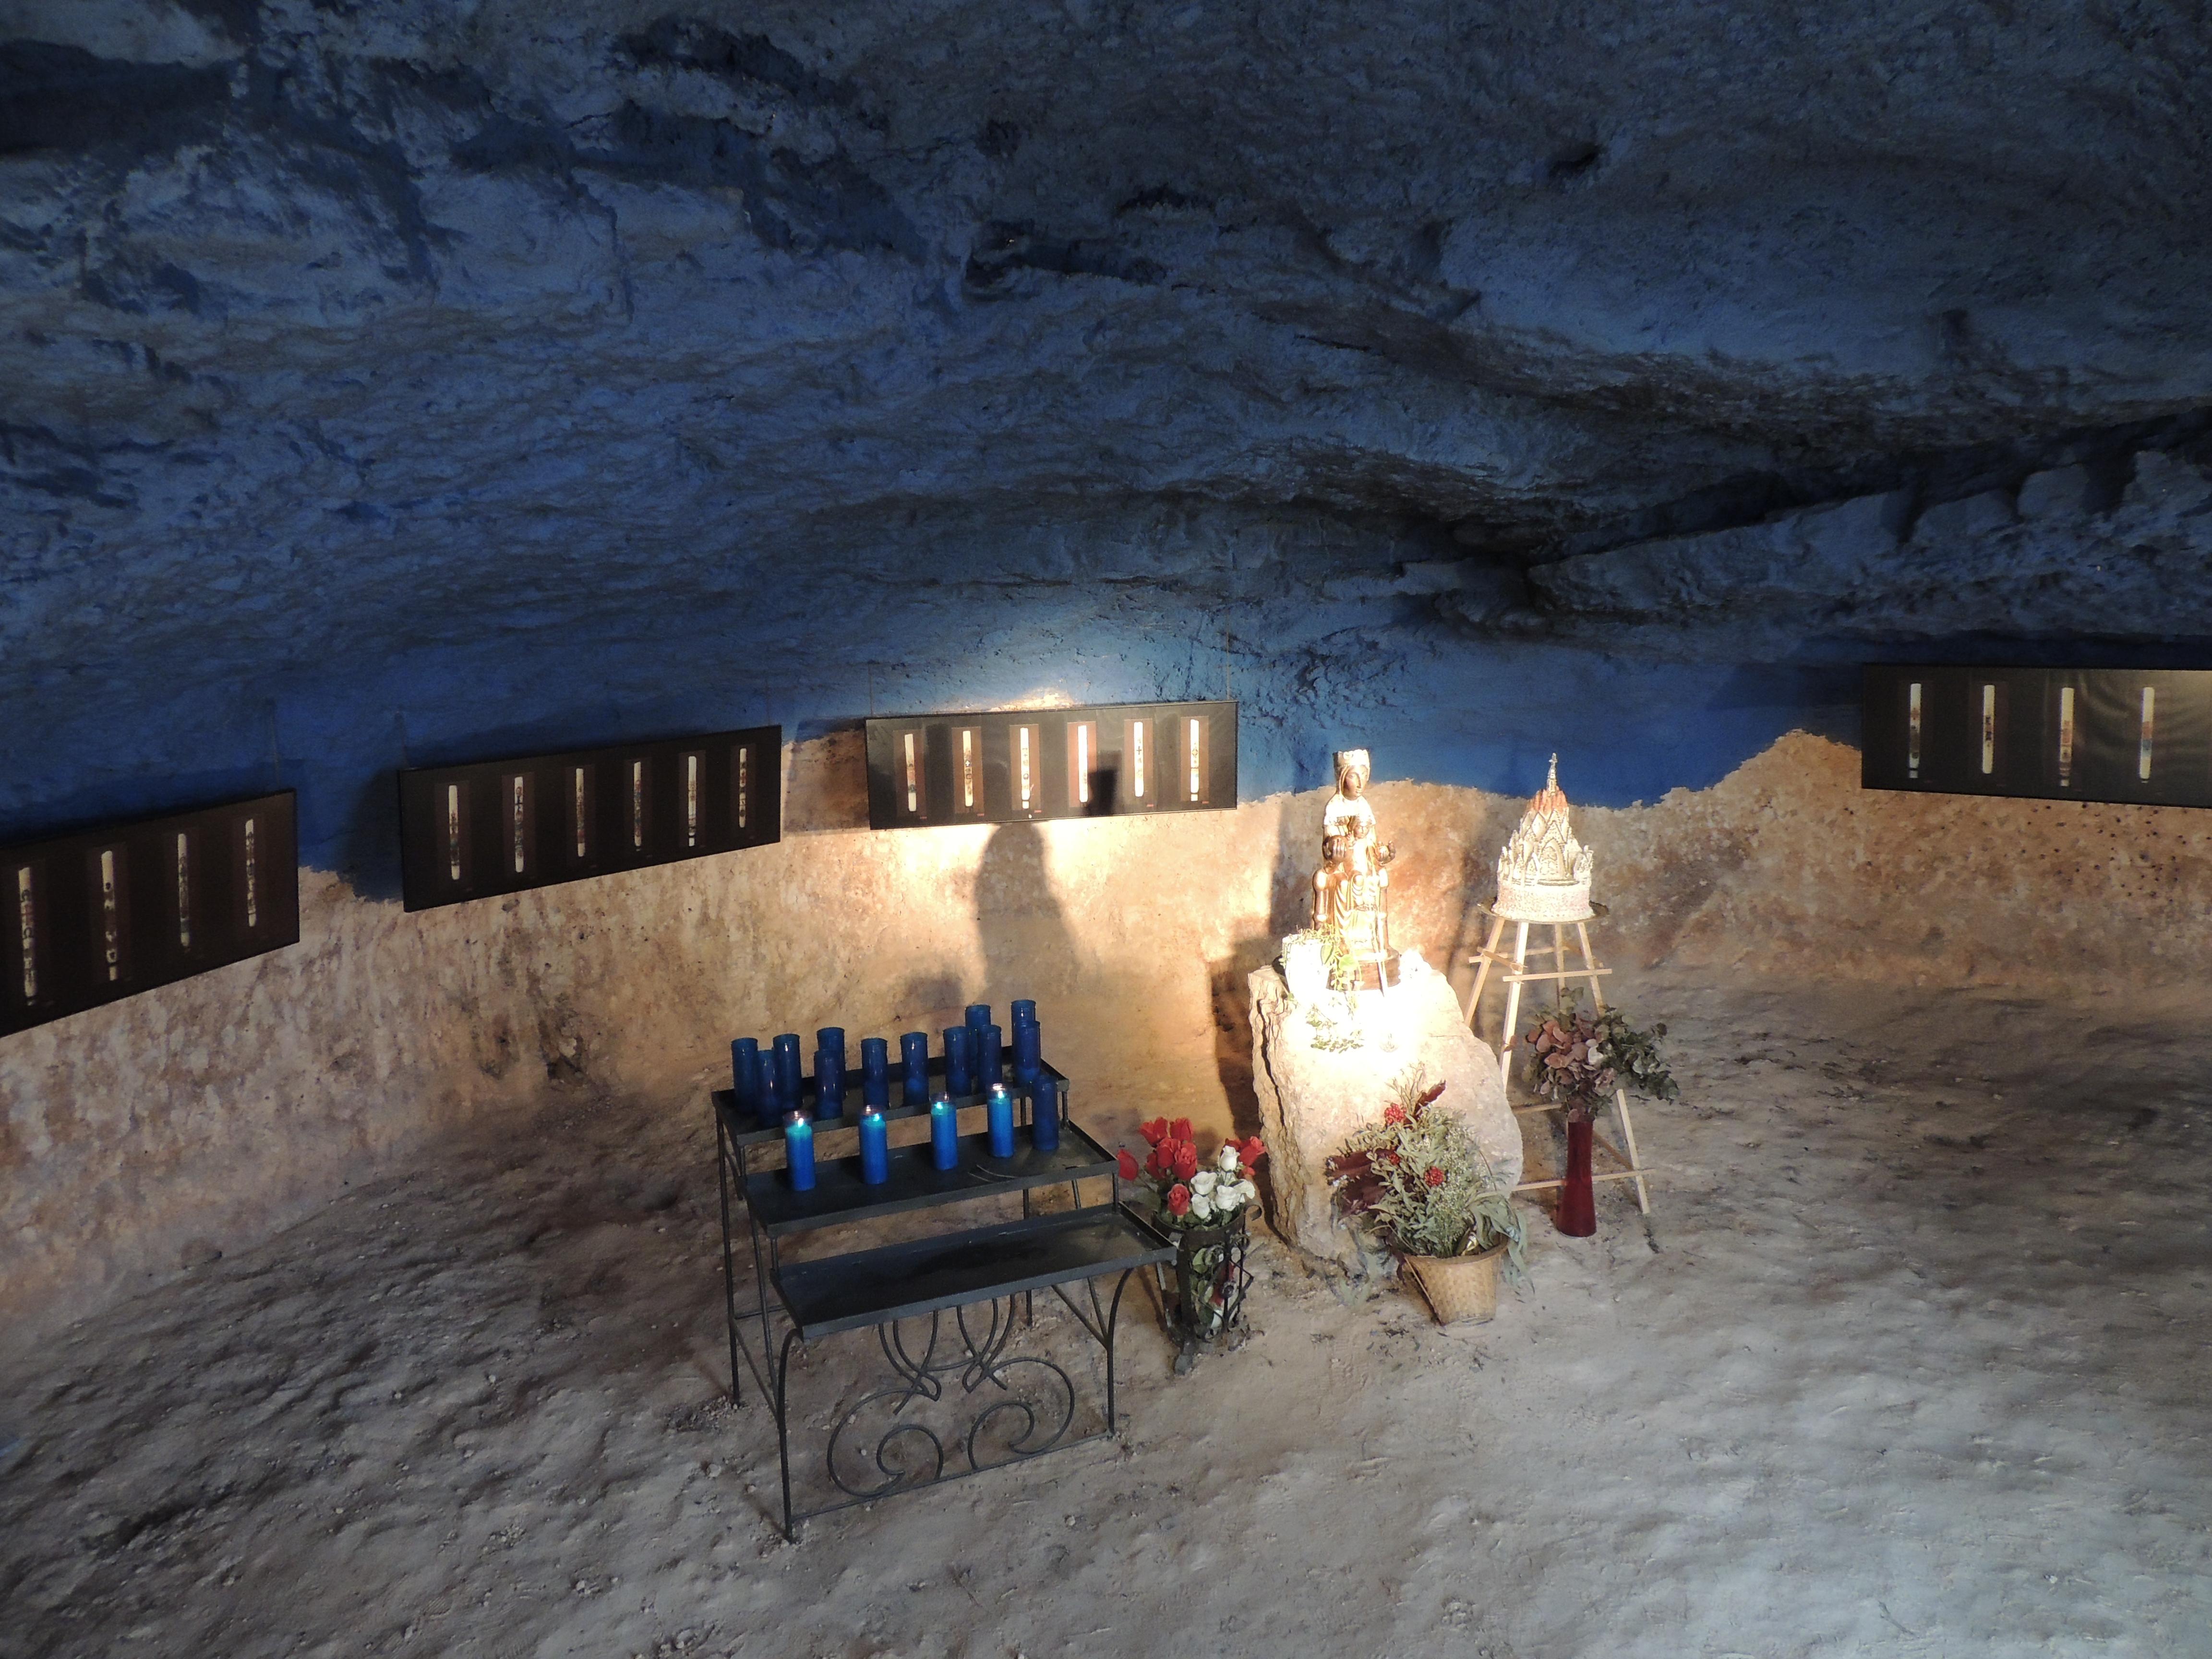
column 900, row 1281
column 839, row 1196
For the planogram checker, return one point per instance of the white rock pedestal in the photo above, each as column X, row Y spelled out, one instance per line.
column 1315, row 1089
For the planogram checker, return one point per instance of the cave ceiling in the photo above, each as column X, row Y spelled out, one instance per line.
column 341, row 326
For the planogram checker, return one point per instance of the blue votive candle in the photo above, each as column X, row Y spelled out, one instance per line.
column 998, row 1110
column 1027, row 1055
column 875, row 1073
column 829, row 1084
column 831, row 1037
column 990, row 1058
column 799, row 1152
column 875, row 1149
column 745, row 1072
column 944, row 1133
column 769, row 1105
column 786, row 1068
column 914, row 1061
column 1044, row 1115
column 979, row 1016
column 1024, row 1011
column 959, row 1060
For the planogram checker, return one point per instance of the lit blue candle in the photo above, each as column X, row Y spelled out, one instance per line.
column 1029, row 1056
column 959, row 1060
column 875, row 1149
column 799, row 1152
column 744, row 1073
column 1044, row 1115
column 914, row 1059
column 944, row 1133
column 829, row 1084
column 990, row 1058
column 875, row 1073
column 1000, row 1112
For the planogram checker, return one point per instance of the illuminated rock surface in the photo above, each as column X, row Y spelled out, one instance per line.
column 1313, row 1091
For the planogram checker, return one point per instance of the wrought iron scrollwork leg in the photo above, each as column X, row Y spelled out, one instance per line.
column 1112, row 1320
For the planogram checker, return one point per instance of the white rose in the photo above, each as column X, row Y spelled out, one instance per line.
column 1201, row 1207
column 1226, row 1197
column 1228, row 1160
column 1203, row 1183
column 1246, row 1191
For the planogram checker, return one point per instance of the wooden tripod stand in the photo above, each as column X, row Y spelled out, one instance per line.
column 1514, row 972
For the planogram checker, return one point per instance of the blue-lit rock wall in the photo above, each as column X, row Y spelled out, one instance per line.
column 410, row 382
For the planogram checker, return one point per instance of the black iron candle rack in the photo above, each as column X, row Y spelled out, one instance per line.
column 1028, row 1404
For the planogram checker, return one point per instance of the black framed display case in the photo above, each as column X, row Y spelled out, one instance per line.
column 2142, row 735
column 1020, row 765
column 495, row 827
column 105, row 912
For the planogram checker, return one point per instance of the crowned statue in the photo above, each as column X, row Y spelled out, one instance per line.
column 1352, row 886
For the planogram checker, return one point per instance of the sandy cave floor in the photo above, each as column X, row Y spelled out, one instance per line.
column 1913, row 1360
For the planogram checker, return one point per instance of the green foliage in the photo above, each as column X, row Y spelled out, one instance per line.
column 1419, row 1178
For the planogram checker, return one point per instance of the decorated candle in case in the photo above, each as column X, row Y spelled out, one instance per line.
column 999, row 1111
column 831, row 1037
column 799, row 1152
column 1024, row 1011
column 959, row 1060
column 829, row 1084
column 875, row 1149
column 979, row 1016
column 1029, row 1057
column 944, row 1133
column 1044, row 1115
column 990, row 1058
column 787, row 1068
column 875, row 1072
column 914, row 1061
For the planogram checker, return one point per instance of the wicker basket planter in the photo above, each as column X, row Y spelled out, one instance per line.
column 1460, row 1289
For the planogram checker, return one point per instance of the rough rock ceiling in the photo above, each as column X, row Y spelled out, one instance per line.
column 346, row 329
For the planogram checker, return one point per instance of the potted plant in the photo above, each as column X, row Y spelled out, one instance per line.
column 1204, row 1204
column 1580, row 1056
column 1420, row 1180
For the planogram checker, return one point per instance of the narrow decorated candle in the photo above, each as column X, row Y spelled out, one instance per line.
column 944, row 1133
column 998, row 1113
column 799, row 1152
column 875, row 1149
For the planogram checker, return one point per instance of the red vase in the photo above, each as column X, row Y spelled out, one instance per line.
column 1577, row 1212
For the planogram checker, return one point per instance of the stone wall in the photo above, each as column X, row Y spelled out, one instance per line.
column 138, row 1138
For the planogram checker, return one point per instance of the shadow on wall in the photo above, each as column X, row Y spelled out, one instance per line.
column 1029, row 950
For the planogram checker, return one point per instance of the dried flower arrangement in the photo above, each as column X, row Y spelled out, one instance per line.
column 1580, row 1055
